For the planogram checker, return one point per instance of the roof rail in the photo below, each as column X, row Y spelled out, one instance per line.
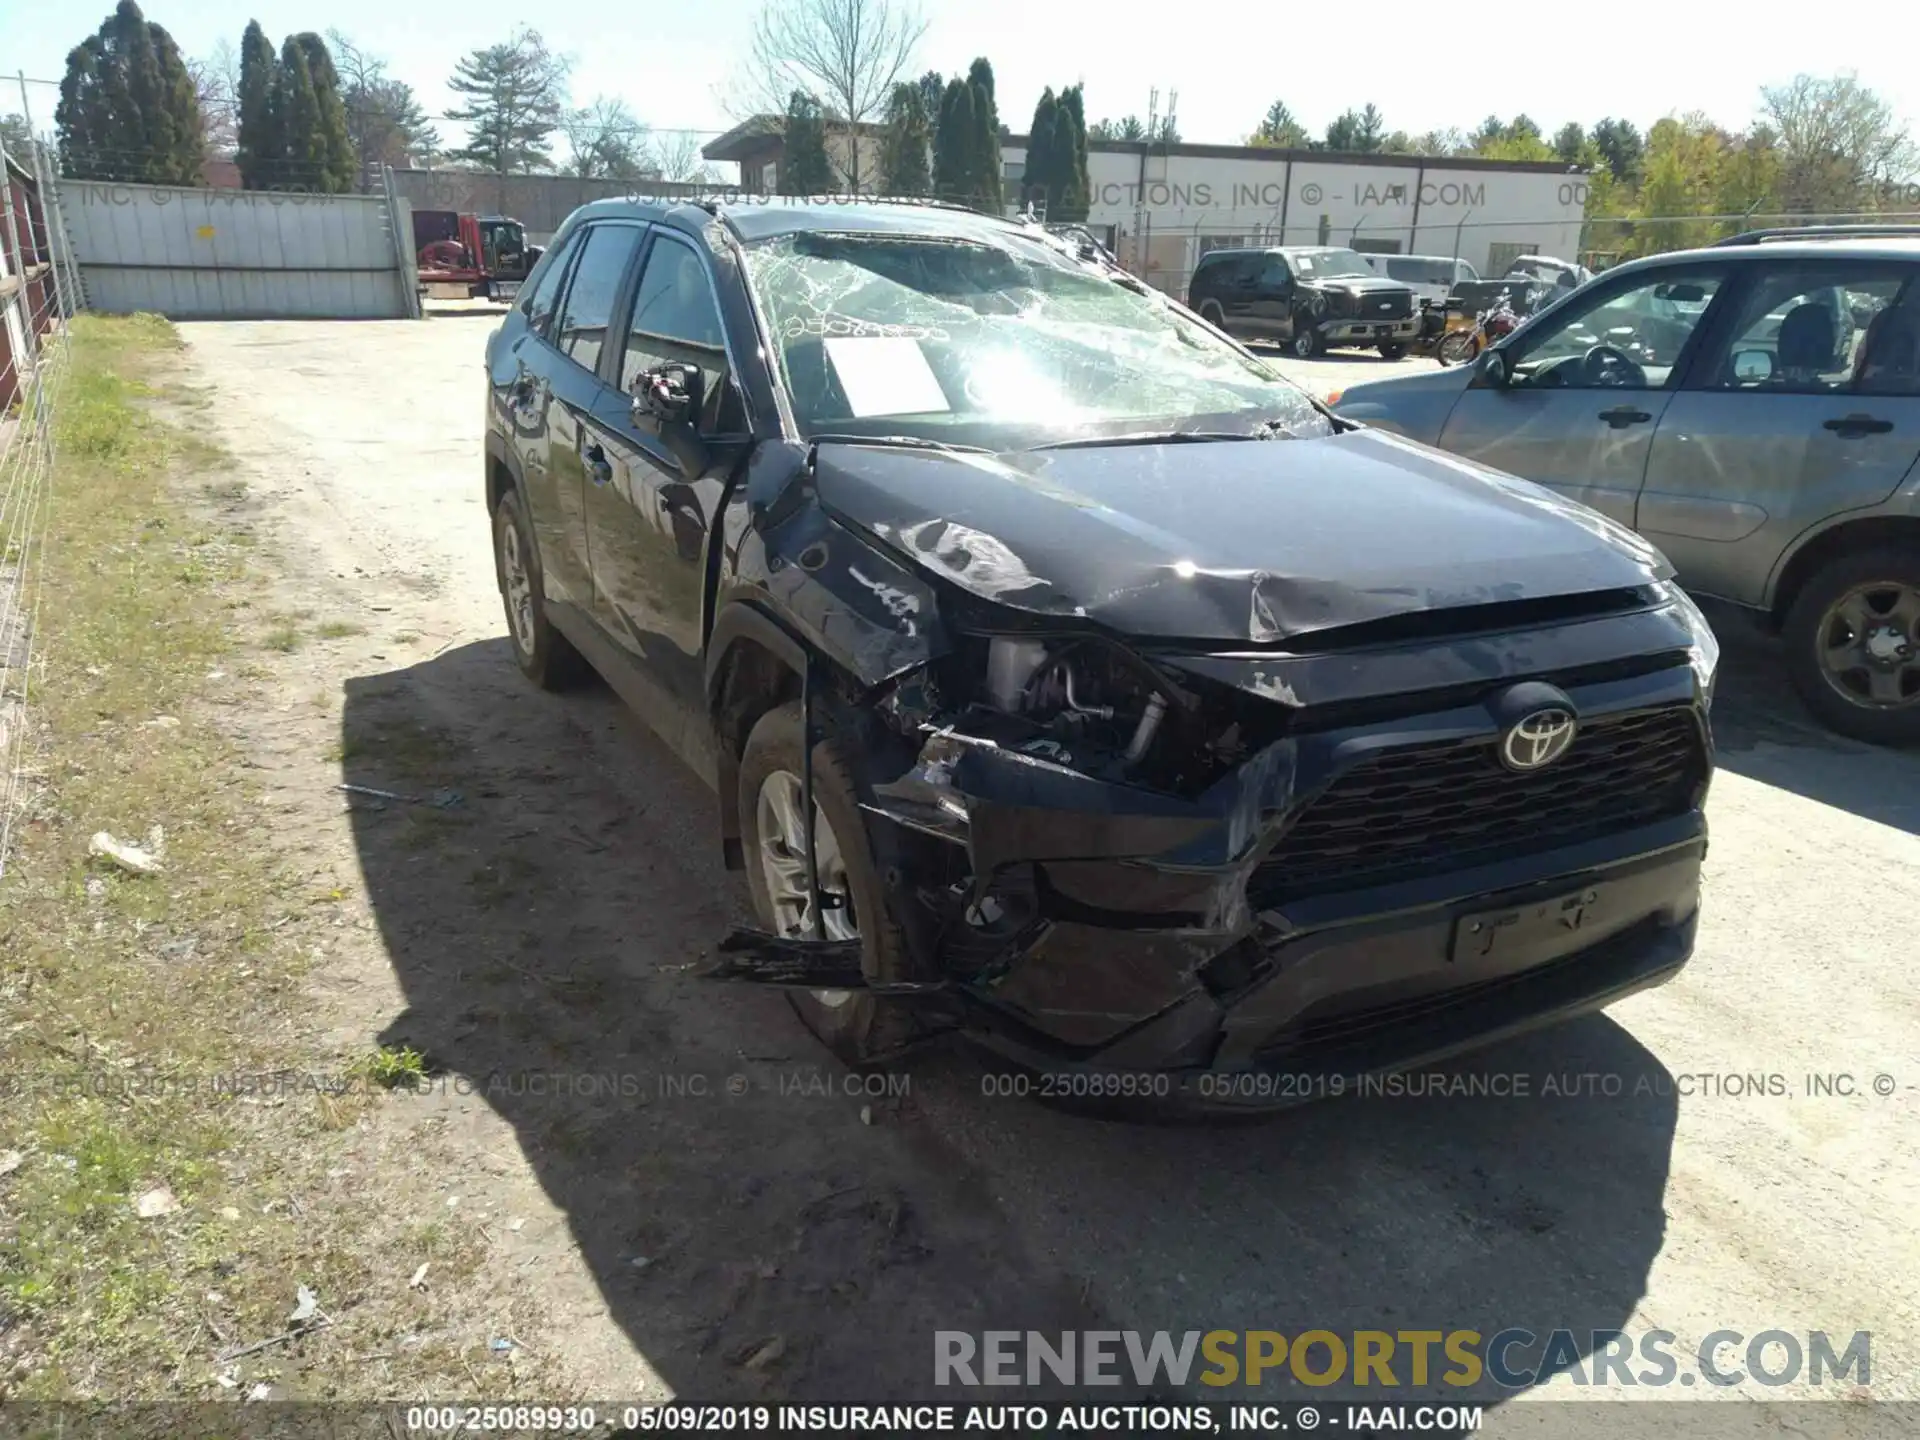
column 1820, row 232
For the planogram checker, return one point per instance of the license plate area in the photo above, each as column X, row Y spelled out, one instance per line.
column 1516, row 937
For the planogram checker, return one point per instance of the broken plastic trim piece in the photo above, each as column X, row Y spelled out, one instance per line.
column 760, row 958
column 755, row 957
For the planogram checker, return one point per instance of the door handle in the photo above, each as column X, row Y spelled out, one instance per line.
column 1858, row 425
column 599, row 468
column 1622, row 416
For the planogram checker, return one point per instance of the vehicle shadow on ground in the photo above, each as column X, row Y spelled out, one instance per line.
column 760, row 1227
column 1762, row 731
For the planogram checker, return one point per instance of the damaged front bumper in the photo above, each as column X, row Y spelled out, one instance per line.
column 1349, row 902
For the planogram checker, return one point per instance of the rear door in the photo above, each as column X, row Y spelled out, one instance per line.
column 1587, row 390
column 523, row 401
column 652, row 522
column 1790, row 418
column 575, row 459
column 1269, row 305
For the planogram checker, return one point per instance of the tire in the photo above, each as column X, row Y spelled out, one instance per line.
column 544, row 655
column 1456, row 347
column 1393, row 350
column 1842, row 704
column 1211, row 312
column 859, row 1028
column 1306, row 342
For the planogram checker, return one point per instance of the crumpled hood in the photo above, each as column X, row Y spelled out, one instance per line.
column 1253, row 541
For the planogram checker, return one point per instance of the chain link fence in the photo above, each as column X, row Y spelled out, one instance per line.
column 1164, row 251
column 38, row 295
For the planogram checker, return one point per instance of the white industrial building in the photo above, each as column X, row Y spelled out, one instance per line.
column 1160, row 207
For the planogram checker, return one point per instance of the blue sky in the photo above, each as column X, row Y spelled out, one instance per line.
column 1432, row 64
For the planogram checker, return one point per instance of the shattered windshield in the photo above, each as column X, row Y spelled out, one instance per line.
column 999, row 345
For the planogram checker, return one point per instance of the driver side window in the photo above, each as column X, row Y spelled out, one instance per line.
column 1627, row 338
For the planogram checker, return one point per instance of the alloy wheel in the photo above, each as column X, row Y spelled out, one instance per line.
column 1869, row 645
column 519, row 586
column 783, row 865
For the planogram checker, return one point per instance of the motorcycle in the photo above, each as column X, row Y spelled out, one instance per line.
column 1466, row 336
column 1433, row 328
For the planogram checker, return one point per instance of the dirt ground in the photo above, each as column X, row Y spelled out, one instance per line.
column 728, row 1221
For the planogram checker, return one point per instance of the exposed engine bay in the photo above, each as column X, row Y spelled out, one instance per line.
column 1088, row 704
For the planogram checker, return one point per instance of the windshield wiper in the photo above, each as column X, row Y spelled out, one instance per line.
column 1265, row 430
column 899, row 442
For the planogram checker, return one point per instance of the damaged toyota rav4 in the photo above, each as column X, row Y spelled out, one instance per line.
column 1068, row 678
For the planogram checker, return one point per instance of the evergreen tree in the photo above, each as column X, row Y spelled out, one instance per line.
column 261, row 149
column 804, row 166
column 331, row 145
column 304, row 149
column 903, row 145
column 1076, row 189
column 128, row 108
column 514, row 103
column 953, row 145
column 1041, row 186
column 985, row 168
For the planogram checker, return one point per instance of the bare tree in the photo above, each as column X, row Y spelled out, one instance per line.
column 847, row 53
column 606, row 142
column 385, row 122
column 675, row 155
column 1840, row 144
column 216, row 86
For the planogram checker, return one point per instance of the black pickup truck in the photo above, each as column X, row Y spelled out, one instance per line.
column 1306, row 297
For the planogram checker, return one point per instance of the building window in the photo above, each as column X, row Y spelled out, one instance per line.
column 1222, row 242
column 1377, row 247
column 1502, row 253
column 1014, row 171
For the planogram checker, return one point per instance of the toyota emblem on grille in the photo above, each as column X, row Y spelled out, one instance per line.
column 1538, row 739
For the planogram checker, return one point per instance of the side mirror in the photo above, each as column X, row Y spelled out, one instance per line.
column 1751, row 367
column 670, row 394
column 1490, row 369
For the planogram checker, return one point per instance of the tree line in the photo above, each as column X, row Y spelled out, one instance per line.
column 323, row 114
column 1818, row 146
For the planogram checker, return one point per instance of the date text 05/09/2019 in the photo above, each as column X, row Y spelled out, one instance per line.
column 1114, row 1419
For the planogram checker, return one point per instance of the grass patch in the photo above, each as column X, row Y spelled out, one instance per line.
column 339, row 629
column 284, row 638
column 163, row 1206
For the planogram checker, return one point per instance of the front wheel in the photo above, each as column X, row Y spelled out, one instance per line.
column 1853, row 645
column 860, row 1028
column 1457, row 347
column 1393, row 350
column 1306, row 342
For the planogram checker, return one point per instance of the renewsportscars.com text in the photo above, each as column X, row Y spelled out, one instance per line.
column 1514, row 1359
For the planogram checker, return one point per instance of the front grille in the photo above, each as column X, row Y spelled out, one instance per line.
column 1429, row 809
column 1384, row 305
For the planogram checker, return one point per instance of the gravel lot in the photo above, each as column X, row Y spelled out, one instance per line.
column 1676, row 1204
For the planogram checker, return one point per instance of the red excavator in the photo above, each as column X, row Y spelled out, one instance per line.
column 471, row 256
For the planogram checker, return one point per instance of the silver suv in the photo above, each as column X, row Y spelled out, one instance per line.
column 1754, row 410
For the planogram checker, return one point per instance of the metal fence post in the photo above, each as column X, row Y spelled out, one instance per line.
column 17, row 264
column 49, row 213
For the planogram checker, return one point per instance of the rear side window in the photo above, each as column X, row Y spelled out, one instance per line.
column 545, row 291
column 596, row 280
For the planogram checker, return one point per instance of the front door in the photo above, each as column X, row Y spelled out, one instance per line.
column 1586, row 386
column 1790, row 418
column 652, row 519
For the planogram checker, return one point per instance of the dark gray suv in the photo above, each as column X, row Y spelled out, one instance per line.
column 1069, row 678
column 1753, row 409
